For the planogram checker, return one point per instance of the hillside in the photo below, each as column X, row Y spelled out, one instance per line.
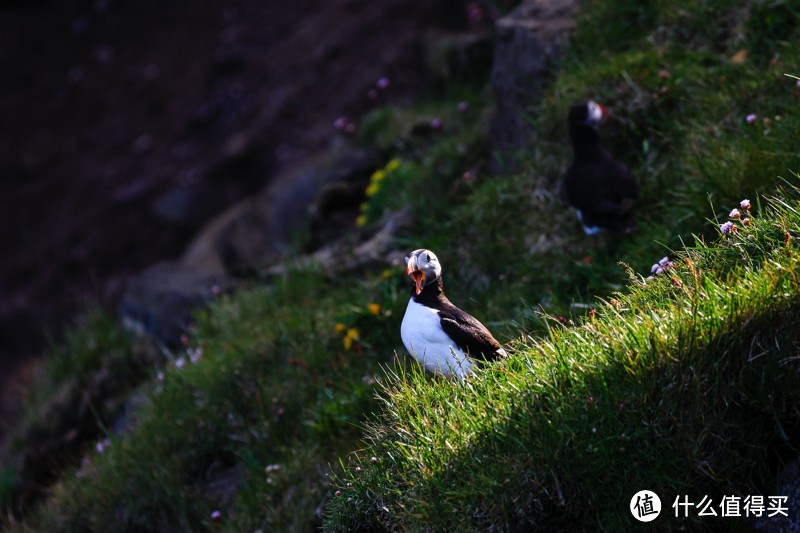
column 292, row 405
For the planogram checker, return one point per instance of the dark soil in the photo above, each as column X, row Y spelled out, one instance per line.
column 124, row 125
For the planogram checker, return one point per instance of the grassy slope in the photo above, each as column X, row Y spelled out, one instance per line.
column 688, row 384
column 666, row 366
column 272, row 399
column 681, row 386
column 286, row 378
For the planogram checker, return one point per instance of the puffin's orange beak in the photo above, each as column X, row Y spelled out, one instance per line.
column 419, row 279
column 416, row 274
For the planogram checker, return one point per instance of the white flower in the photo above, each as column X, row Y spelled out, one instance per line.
column 195, row 354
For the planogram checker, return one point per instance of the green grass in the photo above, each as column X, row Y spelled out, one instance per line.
column 78, row 393
column 684, row 384
column 274, row 386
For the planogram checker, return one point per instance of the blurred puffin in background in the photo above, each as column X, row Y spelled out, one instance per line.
column 600, row 188
column 442, row 337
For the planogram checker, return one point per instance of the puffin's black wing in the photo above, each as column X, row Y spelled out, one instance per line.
column 622, row 181
column 469, row 334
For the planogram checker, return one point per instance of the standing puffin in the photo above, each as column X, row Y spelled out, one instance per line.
column 442, row 337
column 601, row 189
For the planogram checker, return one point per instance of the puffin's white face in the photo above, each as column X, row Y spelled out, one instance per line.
column 596, row 114
column 423, row 267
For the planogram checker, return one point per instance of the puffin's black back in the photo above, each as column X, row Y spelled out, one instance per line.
column 466, row 331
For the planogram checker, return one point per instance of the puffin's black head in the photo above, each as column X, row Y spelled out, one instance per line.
column 588, row 113
column 423, row 267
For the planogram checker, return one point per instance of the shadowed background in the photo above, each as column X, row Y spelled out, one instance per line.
column 127, row 125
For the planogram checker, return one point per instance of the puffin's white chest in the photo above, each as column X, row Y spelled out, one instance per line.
column 427, row 342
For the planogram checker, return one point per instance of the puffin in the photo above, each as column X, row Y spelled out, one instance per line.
column 600, row 188
column 443, row 338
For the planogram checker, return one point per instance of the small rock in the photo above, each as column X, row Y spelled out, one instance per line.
column 160, row 299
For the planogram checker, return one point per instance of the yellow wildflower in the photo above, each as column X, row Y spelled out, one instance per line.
column 352, row 335
column 393, row 164
column 387, row 273
column 378, row 176
column 361, row 221
column 372, row 189
column 339, row 327
column 375, row 309
column 363, row 207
